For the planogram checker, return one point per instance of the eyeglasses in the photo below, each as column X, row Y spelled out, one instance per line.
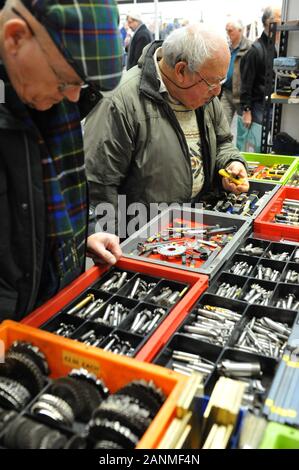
column 62, row 86
column 211, row 86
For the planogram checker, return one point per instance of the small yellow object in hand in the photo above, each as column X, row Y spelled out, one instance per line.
column 224, row 173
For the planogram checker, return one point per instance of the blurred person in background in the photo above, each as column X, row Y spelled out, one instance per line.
column 142, row 36
column 231, row 89
column 253, row 71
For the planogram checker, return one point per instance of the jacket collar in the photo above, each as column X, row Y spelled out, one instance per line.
column 149, row 83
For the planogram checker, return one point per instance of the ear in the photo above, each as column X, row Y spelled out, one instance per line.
column 181, row 69
column 15, row 32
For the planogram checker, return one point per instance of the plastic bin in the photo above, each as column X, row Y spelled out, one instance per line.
column 64, row 354
column 279, row 436
column 268, row 160
column 266, row 227
column 192, row 218
column 51, row 313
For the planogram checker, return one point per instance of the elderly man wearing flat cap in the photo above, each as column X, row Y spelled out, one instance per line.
column 142, row 37
column 49, row 51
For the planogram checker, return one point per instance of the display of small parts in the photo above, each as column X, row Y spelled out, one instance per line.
column 294, row 180
column 250, row 249
column 211, row 324
column 250, row 373
column 282, row 403
column 146, row 320
column 257, row 295
column 116, row 280
column 292, row 276
column 102, row 319
column 25, row 433
column 186, row 363
column 265, row 336
column 242, row 204
column 53, row 408
column 118, row 346
column 123, row 417
column 289, row 213
column 289, row 301
column 191, row 245
column 274, row 172
column 22, row 375
column 70, row 398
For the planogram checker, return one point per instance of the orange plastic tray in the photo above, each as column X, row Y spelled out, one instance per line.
column 265, row 225
column 198, row 284
column 64, row 354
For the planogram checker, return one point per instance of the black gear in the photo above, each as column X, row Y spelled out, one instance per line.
column 24, row 370
column 33, row 352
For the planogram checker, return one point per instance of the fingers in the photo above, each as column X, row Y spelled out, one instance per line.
column 104, row 248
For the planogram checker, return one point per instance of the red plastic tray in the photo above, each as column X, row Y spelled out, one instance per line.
column 264, row 225
column 198, row 284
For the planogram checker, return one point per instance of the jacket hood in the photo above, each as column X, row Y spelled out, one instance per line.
column 149, row 83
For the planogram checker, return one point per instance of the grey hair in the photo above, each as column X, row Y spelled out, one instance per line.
column 236, row 23
column 267, row 14
column 191, row 44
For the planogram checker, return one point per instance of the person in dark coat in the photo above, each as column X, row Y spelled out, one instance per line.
column 142, row 37
column 47, row 57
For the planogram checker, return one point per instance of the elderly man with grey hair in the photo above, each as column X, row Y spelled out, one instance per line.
column 162, row 135
column 239, row 45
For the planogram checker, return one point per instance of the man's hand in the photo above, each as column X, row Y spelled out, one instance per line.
column 237, row 170
column 103, row 248
column 247, row 119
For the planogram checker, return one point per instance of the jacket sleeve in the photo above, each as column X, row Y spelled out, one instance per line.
column 226, row 152
column 108, row 144
column 248, row 73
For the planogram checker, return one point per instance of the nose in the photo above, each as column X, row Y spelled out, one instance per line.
column 217, row 90
column 72, row 93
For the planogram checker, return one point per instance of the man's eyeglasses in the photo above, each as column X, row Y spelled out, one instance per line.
column 211, row 86
column 62, row 86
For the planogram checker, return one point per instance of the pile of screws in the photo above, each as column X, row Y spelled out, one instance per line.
column 115, row 282
column 141, row 289
column 265, row 336
column 146, row 320
column 167, row 297
column 285, row 256
column 250, row 249
column 292, row 277
column 289, row 213
column 258, row 295
column 114, row 315
column 65, row 330
column 229, row 291
column 87, row 307
column 212, row 324
column 90, row 338
column 241, row 268
column 118, row 346
column 288, row 302
column 266, row 273
column 186, row 363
